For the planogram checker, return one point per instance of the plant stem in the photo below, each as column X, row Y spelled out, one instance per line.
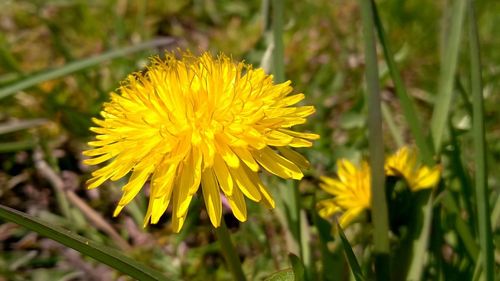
column 483, row 212
column 379, row 205
column 447, row 77
column 406, row 101
column 229, row 252
column 278, row 52
column 291, row 195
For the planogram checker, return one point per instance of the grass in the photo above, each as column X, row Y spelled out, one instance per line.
column 481, row 175
column 376, row 146
column 59, row 61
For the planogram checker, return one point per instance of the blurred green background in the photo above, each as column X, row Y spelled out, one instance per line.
column 323, row 59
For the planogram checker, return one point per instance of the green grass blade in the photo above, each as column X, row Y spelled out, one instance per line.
column 7, row 59
column 376, row 146
column 495, row 214
column 438, row 125
column 421, row 236
column 79, row 65
column 478, row 271
column 10, row 127
column 459, row 168
column 298, row 267
column 290, row 195
column 279, row 48
column 16, row 145
column 391, row 125
column 330, row 260
column 481, row 177
column 447, row 76
column 229, row 251
column 463, row 229
column 305, row 242
column 101, row 253
column 351, row 258
column 405, row 100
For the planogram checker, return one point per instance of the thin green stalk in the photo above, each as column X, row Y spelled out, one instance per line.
column 458, row 167
column 379, row 205
column 446, row 79
column 9, row 127
column 438, row 123
column 483, row 212
column 75, row 66
column 266, row 18
column 331, row 260
column 478, row 271
column 16, row 146
column 405, row 100
column 463, row 230
column 351, row 257
column 391, row 125
column 290, row 195
column 420, row 235
column 229, row 252
column 101, row 253
column 423, row 206
column 278, row 52
column 305, row 249
column 495, row 214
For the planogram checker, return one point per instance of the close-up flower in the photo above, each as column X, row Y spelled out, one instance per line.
column 202, row 121
column 351, row 192
column 404, row 164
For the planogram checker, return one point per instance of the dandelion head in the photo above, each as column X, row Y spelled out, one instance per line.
column 351, row 192
column 404, row 164
column 190, row 122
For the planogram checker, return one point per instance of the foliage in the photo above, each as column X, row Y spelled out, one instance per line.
column 60, row 59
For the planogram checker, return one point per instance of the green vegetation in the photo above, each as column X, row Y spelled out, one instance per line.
column 432, row 81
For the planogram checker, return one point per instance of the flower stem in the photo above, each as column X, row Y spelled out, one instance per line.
column 379, row 206
column 487, row 256
column 229, row 252
column 291, row 195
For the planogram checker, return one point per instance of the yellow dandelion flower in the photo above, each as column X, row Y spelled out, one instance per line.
column 351, row 191
column 199, row 121
column 403, row 163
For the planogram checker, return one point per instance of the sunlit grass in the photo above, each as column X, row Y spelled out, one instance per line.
column 437, row 91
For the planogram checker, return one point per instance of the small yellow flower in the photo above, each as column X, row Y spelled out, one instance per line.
column 351, row 191
column 403, row 163
column 199, row 121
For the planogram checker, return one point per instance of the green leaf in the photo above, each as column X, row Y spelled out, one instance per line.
column 298, row 267
column 282, row 275
column 375, row 143
column 396, row 133
column 16, row 146
column 407, row 103
column 447, row 77
column 75, row 66
column 351, row 258
column 461, row 226
column 331, row 260
column 101, row 253
column 481, row 170
column 420, row 234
